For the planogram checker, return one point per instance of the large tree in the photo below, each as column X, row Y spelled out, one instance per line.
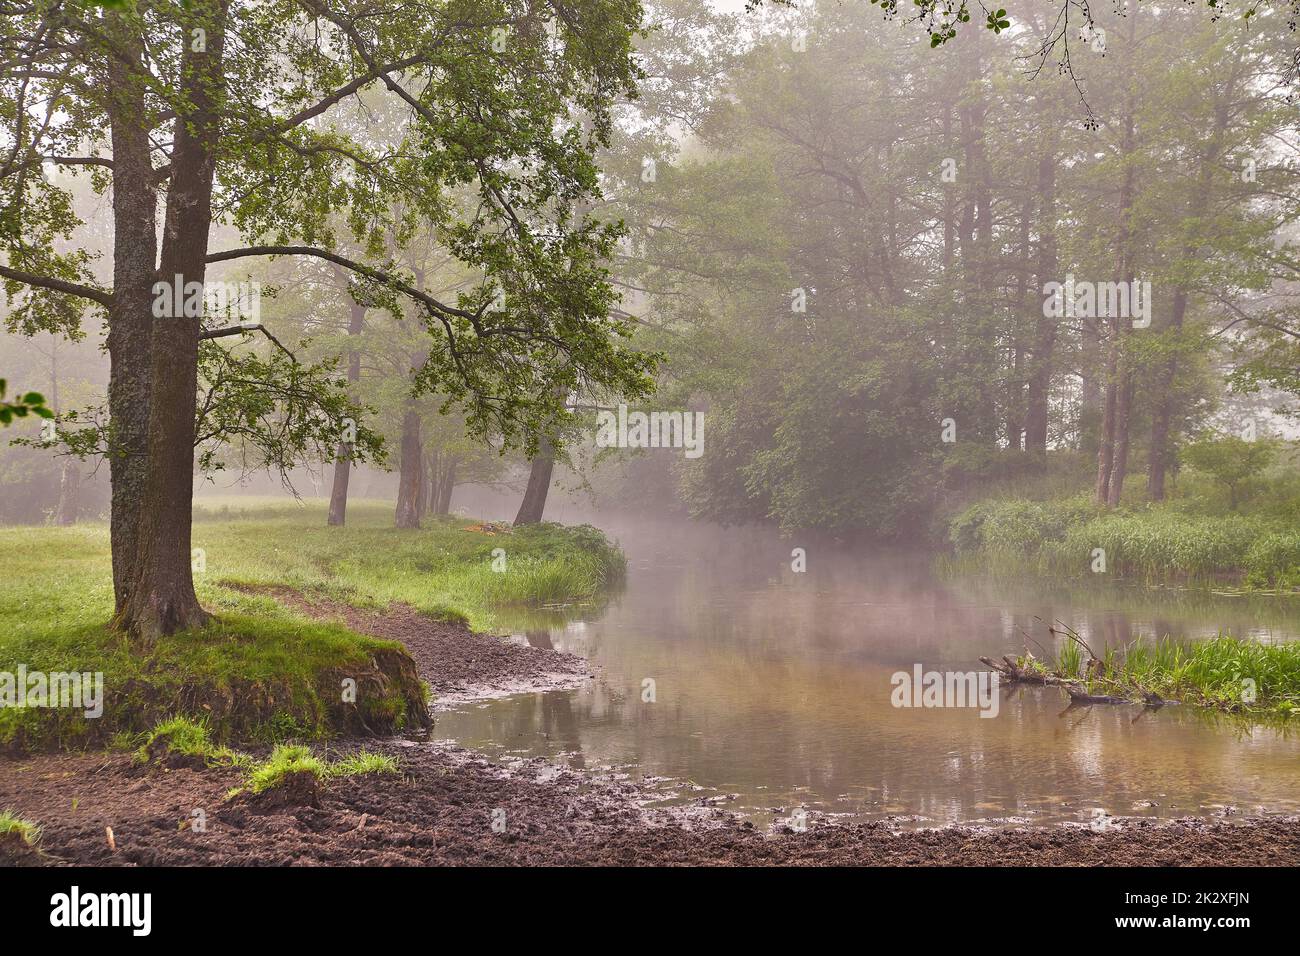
column 220, row 110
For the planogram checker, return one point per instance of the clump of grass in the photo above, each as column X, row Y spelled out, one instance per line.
column 1226, row 673
column 361, row 762
column 288, row 759
column 285, row 759
column 11, row 823
column 187, row 738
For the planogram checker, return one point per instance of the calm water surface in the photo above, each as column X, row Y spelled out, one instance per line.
column 772, row 690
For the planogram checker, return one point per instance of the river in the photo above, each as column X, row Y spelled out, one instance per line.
column 771, row 690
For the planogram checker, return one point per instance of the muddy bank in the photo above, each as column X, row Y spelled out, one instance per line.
column 458, row 664
column 443, row 807
column 451, row 807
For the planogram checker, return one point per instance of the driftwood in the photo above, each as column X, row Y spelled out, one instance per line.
column 1079, row 695
column 1019, row 675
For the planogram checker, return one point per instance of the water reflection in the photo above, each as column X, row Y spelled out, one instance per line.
column 775, row 686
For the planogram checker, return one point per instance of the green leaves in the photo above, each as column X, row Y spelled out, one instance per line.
column 32, row 403
column 274, row 413
column 998, row 21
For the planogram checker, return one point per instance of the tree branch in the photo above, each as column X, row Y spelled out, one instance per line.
column 370, row 273
column 58, row 285
column 245, row 328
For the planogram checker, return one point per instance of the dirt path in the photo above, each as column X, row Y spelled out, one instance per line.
column 451, row 807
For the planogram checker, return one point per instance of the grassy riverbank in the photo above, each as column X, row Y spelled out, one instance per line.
column 1072, row 538
column 261, row 671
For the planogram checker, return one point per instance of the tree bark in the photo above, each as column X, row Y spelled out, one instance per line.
column 343, row 457
column 539, row 485
column 411, row 472
column 162, row 599
column 135, row 250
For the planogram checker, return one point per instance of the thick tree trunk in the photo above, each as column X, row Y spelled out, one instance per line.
column 411, row 472
column 539, row 485
column 343, row 457
column 135, row 249
column 162, row 598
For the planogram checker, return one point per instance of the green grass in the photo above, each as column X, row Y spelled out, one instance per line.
column 188, row 738
column 361, row 762
column 1225, row 673
column 260, row 671
column 10, row 823
column 441, row 569
column 192, row 738
column 1152, row 544
column 287, row 759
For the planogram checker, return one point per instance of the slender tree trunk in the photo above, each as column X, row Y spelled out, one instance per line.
column 1040, row 374
column 343, row 457
column 135, row 250
column 446, row 486
column 411, row 472
column 1112, row 456
column 162, row 598
column 949, row 200
column 1162, row 414
column 442, row 481
column 1016, row 410
column 422, row 490
column 65, row 513
column 539, row 485
column 1106, row 445
column 69, row 493
column 1123, row 411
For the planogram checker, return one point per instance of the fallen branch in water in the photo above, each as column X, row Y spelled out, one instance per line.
column 1034, row 673
column 1018, row 674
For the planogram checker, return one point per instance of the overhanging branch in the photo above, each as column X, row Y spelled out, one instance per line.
column 58, row 285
